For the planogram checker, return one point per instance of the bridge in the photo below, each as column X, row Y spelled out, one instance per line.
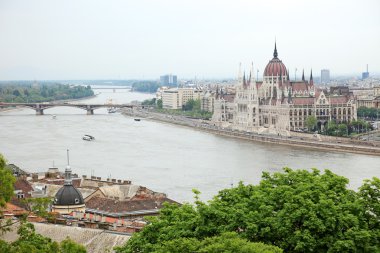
column 111, row 88
column 40, row 107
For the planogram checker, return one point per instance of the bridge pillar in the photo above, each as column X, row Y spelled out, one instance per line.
column 90, row 111
column 39, row 111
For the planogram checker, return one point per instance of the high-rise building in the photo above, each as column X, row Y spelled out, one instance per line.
column 365, row 74
column 325, row 76
column 168, row 80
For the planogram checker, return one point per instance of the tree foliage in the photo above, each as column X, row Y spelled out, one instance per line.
column 20, row 92
column 368, row 113
column 31, row 242
column 146, row 86
column 6, row 182
column 297, row 211
column 311, row 122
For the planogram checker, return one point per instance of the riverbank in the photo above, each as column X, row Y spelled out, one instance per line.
column 333, row 144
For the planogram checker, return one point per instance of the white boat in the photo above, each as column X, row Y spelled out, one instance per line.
column 87, row 137
column 111, row 110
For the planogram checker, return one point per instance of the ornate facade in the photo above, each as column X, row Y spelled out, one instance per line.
column 278, row 105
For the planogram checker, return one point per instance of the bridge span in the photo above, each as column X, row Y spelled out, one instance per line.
column 40, row 107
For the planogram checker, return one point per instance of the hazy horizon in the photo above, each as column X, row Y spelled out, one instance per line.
column 124, row 40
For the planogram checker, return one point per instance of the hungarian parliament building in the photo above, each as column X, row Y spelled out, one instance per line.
column 278, row 105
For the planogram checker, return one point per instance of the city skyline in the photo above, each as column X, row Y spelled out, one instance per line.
column 121, row 40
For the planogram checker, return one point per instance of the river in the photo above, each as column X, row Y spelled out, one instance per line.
column 163, row 157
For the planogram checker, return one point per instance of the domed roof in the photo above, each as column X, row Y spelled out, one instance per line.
column 275, row 67
column 68, row 195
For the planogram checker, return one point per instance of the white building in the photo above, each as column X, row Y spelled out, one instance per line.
column 175, row 98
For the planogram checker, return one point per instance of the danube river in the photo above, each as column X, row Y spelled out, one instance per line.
column 165, row 158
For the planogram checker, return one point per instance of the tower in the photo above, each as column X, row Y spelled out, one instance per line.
column 68, row 198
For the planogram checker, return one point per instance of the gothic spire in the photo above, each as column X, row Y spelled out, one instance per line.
column 275, row 54
column 252, row 74
column 239, row 74
column 303, row 75
column 311, row 75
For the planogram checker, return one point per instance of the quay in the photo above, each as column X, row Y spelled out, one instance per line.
column 297, row 139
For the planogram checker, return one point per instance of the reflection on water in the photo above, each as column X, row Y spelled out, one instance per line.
column 163, row 157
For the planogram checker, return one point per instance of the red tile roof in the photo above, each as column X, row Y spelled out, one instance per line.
column 116, row 206
column 338, row 99
column 303, row 101
column 24, row 186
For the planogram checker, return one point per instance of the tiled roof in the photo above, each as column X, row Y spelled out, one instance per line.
column 75, row 181
column 338, row 100
column 24, row 186
column 11, row 208
column 303, row 101
column 115, row 206
column 300, row 86
column 228, row 97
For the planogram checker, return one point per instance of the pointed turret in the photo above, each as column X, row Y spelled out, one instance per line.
column 311, row 78
column 275, row 54
column 303, row 75
column 68, row 180
column 239, row 74
column 252, row 74
column 244, row 83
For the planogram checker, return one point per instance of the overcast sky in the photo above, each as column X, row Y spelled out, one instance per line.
column 120, row 39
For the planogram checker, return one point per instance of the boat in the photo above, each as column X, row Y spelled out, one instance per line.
column 87, row 137
column 137, row 119
column 53, row 117
column 111, row 110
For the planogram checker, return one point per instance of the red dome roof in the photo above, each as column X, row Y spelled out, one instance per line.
column 275, row 67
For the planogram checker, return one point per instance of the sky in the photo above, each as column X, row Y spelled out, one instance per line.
column 122, row 39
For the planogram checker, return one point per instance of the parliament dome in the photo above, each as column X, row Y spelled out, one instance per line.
column 275, row 67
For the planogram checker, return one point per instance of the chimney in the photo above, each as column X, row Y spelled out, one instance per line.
column 35, row 177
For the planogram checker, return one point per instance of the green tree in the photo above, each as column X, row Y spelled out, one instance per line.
column 342, row 130
column 29, row 241
column 226, row 242
column 159, row 103
column 69, row 246
column 189, row 105
column 6, row 182
column 297, row 211
column 311, row 122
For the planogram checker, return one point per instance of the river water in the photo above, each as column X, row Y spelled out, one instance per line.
column 163, row 157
